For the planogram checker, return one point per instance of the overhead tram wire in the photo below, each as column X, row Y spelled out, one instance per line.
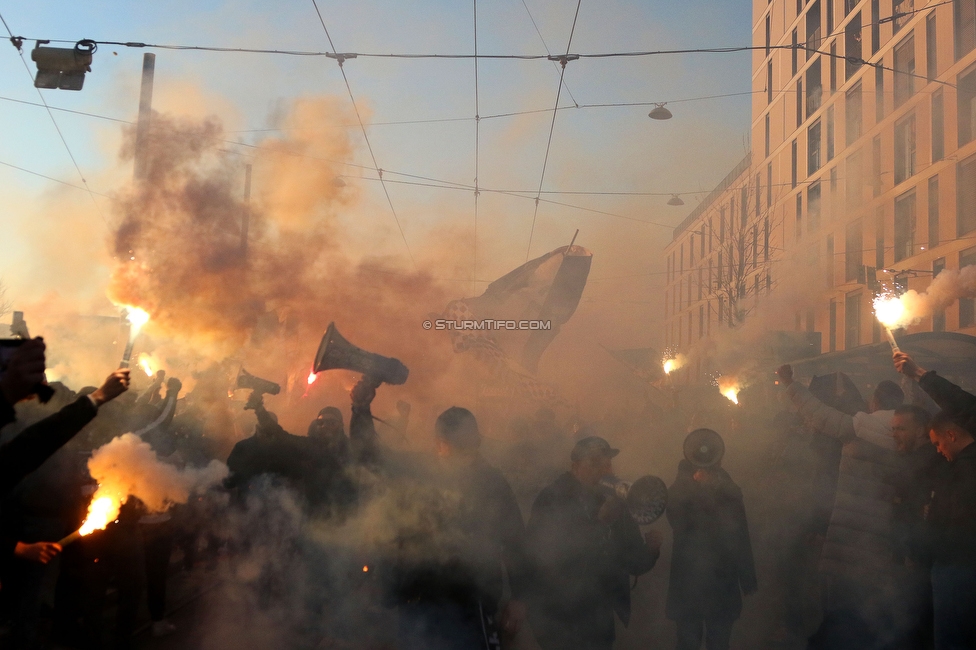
column 546, row 46
column 477, row 152
column 379, row 172
column 50, row 114
column 552, row 126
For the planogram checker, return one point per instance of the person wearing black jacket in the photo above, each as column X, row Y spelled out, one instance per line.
column 953, row 400
column 461, row 525
column 36, row 443
column 712, row 563
column 584, row 548
column 952, row 515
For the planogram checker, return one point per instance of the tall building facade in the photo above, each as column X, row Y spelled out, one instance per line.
column 862, row 174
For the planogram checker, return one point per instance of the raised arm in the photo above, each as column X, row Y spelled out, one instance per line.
column 822, row 418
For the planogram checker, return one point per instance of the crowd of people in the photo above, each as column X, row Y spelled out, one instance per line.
column 441, row 538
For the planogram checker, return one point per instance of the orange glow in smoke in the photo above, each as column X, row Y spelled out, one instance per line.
column 146, row 364
column 729, row 387
column 312, row 377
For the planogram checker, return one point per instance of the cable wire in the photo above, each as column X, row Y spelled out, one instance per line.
column 554, row 63
column 339, row 59
column 552, row 126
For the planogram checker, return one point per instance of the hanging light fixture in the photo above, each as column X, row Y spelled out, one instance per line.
column 675, row 200
column 660, row 113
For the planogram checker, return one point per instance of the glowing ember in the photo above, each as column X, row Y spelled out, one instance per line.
column 890, row 311
column 365, row 569
column 101, row 512
column 669, row 365
column 729, row 387
column 312, row 377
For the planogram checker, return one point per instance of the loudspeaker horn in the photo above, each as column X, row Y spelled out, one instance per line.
column 335, row 352
column 248, row 381
column 704, row 448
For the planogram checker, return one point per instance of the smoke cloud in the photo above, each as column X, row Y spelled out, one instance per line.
column 948, row 287
column 128, row 466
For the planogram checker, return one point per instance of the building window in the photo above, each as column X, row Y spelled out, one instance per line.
column 964, row 26
column 853, row 255
column 766, row 239
column 691, row 251
column 904, row 70
column 938, row 126
column 832, row 337
column 767, row 135
column 849, row 6
column 799, row 102
column 852, row 321
column 966, row 197
column 755, row 245
column 796, row 53
column 931, row 48
column 967, row 306
column 876, row 165
column 875, row 26
column 855, row 178
column 769, row 82
column 768, row 32
column 814, row 87
column 769, row 185
column 701, row 321
column 829, row 275
column 758, row 194
column 904, row 149
column 852, row 46
column 966, row 105
column 833, row 65
column 938, row 317
column 793, row 164
column 721, row 310
column 903, row 11
column 813, row 207
column 721, row 225
column 904, row 226
column 830, row 134
column 799, row 217
column 813, row 148
column 853, row 113
column 711, row 234
column 879, row 98
column 933, row 212
column 743, row 206
column 701, row 278
column 879, row 239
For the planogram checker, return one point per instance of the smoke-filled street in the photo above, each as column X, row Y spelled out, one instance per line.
column 532, row 325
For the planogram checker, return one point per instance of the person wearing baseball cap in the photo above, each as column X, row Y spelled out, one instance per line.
column 584, row 547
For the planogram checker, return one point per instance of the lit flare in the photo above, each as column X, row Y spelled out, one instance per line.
column 137, row 318
column 729, row 387
column 312, row 377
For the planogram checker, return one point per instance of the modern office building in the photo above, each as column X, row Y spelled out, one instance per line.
column 862, row 175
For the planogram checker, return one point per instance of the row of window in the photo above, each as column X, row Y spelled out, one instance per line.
column 724, row 310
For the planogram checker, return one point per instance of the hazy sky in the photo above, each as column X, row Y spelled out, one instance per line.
column 593, row 150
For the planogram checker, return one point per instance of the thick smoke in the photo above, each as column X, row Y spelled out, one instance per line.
column 128, row 466
column 948, row 287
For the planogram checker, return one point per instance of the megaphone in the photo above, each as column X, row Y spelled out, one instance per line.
column 263, row 386
column 704, row 448
column 335, row 352
column 646, row 498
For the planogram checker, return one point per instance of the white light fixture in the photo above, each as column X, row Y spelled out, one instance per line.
column 660, row 113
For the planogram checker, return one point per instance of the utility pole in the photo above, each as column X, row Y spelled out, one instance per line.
column 246, row 217
column 145, row 114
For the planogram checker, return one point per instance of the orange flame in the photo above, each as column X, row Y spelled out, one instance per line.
column 312, row 377
column 101, row 511
column 146, row 365
column 729, row 387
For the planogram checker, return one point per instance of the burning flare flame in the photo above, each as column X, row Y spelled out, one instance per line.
column 312, row 377
column 673, row 363
column 146, row 364
column 890, row 311
column 137, row 317
column 101, row 511
column 729, row 387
